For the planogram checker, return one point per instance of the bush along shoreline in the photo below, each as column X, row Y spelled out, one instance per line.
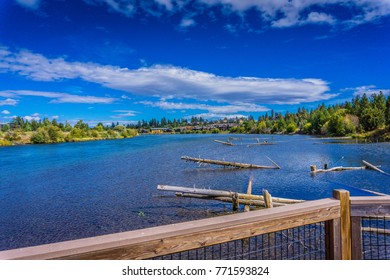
column 364, row 118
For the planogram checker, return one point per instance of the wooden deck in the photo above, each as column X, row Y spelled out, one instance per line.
column 341, row 214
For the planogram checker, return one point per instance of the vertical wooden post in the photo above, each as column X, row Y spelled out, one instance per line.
column 248, row 191
column 332, row 240
column 271, row 235
column 267, row 199
column 235, row 201
column 356, row 238
column 345, row 223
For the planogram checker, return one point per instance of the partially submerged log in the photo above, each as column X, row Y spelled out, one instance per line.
column 376, row 230
column 248, row 191
column 229, row 164
column 213, row 194
column 228, row 143
column 313, row 168
column 246, row 202
column 267, row 199
column 373, row 167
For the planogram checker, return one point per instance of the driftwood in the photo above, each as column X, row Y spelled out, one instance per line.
column 229, row 164
column 246, row 202
column 313, row 168
column 248, row 191
column 376, row 230
column 228, row 143
column 373, row 167
column 267, row 199
column 212, row 194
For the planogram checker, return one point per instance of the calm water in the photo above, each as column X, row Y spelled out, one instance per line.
column 51, row 193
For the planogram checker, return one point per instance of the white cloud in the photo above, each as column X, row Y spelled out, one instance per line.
column 369, row 90
column 58, row 97
column 168, row 4
column 31, row 4
column 283, row 13
column 35, row 117
column 213, row 116
column 125, row 7
column 5, row 112
column 162, row 81
column 124, row 113
column 8, row 102
column 274, row 13
column 187, row 22
column 222, row 109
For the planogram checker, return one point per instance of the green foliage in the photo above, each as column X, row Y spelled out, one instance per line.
column 40, row 137
column 5, row 128
column 291, row 128
column 362, row 115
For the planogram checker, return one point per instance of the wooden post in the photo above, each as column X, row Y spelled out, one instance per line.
column 267, row 199
column 332, row 240
column 356, row 238
column 248, row 191
column 345, row 223
column 235, row 201
column 325, row 166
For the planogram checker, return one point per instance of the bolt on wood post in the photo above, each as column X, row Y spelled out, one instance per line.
column 345, row 223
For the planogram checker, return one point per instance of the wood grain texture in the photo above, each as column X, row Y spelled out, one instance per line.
column 333, row 239
column 345, row 218
column 356, row 238
column 162, row 240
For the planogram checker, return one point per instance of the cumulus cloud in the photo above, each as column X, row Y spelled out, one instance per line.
column 5, row 112
column 8, row 102
column 368, row 89
column 211, row 116
column 30, row 4
column 274, row 13
column 163, row 81
column 220, row 109
column 33, row 117
column 56, row 97
column 124, row 113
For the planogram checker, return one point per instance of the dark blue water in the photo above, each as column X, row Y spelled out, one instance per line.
column 51, row 193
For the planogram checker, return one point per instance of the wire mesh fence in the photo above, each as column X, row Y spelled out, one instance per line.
column 376, row 238
column 301, row 243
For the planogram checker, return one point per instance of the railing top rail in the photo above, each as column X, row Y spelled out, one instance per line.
column 381, row 199
column 370, row 206
column 151, row 242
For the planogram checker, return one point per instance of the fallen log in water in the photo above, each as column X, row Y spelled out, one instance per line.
column 313, row 168
column 246, row 202
column 229, row 164
column 376, row 230
column 373, row 167
column 217, row 193
column 228, row 143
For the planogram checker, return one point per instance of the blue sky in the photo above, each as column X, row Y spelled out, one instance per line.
column 126, row 60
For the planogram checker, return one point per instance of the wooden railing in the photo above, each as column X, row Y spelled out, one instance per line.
column 341, row 238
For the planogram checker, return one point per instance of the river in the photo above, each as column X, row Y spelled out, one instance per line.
column 51, row 193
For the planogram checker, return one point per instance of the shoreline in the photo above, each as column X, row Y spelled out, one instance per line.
column 360, row 139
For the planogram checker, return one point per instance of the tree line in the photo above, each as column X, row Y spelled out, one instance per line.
column 45, row 131
column 364, row 116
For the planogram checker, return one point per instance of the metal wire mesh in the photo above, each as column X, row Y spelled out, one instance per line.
column 301, row 243
column 376, row 238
